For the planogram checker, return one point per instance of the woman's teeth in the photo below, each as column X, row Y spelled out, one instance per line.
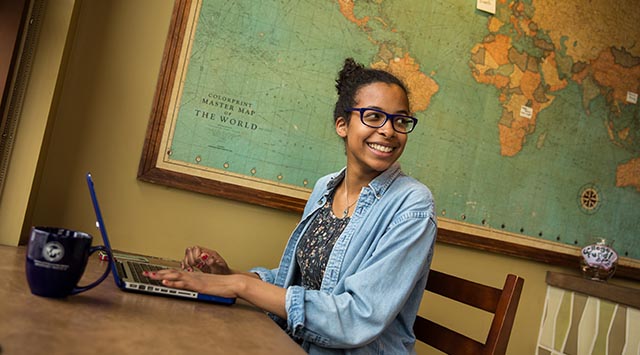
column 381, row 148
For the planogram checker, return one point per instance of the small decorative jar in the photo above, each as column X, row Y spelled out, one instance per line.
column 598, row 260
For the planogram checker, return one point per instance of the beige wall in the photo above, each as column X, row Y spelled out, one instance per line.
column 99, row 126
column 35, row 122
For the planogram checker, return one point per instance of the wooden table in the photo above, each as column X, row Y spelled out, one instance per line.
column 107, row 320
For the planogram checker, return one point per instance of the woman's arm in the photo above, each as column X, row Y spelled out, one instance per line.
column 217, row 278
column 243, row 285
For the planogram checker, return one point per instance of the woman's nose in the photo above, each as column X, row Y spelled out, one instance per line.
column 387, row 129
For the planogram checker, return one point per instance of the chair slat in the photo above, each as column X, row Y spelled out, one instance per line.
column 464, row 291
column 503, row 303
column 445, row 339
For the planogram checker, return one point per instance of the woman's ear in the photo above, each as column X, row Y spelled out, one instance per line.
column 341, row 127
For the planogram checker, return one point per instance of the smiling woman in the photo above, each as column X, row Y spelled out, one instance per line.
column 365, row 240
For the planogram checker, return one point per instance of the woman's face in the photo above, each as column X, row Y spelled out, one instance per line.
column 371, row 151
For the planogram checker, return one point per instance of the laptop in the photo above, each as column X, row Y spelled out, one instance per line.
column 127, row 268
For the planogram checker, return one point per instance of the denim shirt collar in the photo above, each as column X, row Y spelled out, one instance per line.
column 380, row 184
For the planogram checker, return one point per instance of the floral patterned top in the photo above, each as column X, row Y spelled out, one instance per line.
column 316, row 245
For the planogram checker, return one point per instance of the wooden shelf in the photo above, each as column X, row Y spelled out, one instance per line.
column 618, row 294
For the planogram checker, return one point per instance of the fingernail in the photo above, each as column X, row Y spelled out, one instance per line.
column 200, row 264
column 190, row 269
column 145, row 273
column 204, row 256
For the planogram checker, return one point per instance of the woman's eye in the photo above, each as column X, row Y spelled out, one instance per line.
column 373, row 116
column 402, row 121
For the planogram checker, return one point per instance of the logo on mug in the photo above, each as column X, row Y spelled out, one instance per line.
column 53, row 251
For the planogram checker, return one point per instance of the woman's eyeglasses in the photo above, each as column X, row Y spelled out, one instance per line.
column 375, row 118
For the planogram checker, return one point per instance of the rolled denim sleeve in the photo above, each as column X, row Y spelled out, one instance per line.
column 265, row 274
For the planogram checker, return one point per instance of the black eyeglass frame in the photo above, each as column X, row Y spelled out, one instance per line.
column 388, row 116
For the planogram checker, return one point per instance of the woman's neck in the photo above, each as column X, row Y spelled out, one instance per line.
column 356, row 178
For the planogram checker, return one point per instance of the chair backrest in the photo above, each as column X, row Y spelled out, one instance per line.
column 503, row 303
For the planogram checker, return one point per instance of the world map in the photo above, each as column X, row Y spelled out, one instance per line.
column 528, row 118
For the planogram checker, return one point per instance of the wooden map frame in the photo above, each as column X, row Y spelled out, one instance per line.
column 449, row 231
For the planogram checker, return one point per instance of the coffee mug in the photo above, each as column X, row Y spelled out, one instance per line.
column 56, row 259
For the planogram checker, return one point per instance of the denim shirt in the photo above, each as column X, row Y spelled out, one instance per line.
column 375, row 276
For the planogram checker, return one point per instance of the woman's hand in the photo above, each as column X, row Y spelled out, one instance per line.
column 208, row 261
column 219, row 285
column 247, row 286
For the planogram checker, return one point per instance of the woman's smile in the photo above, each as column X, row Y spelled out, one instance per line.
column 380, row 148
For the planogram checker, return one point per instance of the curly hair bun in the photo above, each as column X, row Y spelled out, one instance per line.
column 350, row 70
column 351, row 78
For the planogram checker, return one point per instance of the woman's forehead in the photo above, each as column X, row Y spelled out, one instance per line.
column 384, row 95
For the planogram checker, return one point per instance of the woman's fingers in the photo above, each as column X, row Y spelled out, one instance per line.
column 201, row 261
column 191, row 255
column 170, row 277
column 191, row 258
column 179, row 279
column 208, row 261
column 164, row 274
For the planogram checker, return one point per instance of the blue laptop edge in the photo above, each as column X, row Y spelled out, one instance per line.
column 119, row 282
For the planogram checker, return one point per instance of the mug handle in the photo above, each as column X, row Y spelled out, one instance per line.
column 79, row 289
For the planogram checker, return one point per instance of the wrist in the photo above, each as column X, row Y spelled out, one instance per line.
column 240, row 284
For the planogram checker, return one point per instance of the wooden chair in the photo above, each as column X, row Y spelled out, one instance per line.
column 503, row 303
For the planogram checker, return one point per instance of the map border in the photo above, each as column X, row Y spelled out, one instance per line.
column 155, row 167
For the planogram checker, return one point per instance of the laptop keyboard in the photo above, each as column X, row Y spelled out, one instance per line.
column 138, row 268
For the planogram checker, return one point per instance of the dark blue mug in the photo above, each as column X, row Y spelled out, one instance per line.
column 56, row 259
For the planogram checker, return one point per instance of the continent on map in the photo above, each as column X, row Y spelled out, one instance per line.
column 524, row 71
column 421, row 87
column 606, row 63
column 611, row 75
column 394, row 59
column 564, row 21
column 628, row 174
column 527, row 56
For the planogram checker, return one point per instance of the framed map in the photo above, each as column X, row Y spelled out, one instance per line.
column 528, row 129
